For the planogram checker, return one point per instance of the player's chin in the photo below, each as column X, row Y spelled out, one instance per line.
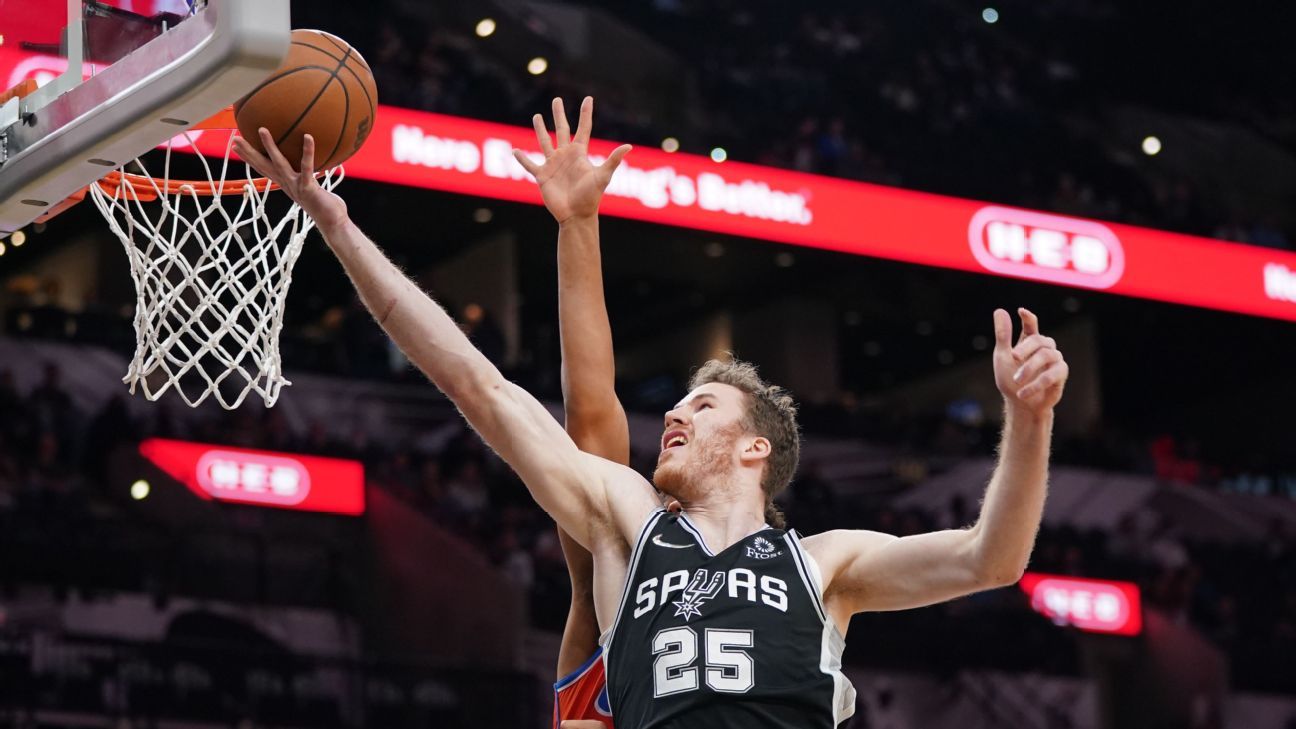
column 667, row 475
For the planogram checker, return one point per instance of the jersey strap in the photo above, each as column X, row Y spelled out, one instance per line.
column 647, row 529
column 833, row 643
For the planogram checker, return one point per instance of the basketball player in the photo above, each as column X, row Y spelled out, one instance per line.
column 595, row 418
column 715, row 617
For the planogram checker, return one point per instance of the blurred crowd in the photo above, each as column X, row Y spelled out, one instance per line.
column 923, row 96
column 1241, row 596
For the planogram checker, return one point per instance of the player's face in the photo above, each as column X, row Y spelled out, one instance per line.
column 701, row 437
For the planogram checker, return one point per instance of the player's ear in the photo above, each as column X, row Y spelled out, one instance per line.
column 758, row 449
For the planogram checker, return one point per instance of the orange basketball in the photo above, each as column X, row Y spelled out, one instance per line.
column 325, row 89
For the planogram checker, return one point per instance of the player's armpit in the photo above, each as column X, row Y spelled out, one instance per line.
column 572, row 486
column 872, row 571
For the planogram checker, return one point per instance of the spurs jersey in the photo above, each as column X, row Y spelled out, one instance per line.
column 735, row 640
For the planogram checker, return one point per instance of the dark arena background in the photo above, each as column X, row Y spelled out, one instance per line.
column 839, row 192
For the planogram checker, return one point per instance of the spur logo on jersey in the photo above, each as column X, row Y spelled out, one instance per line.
column 762, row 548
column 698, row 588
column 1043, row 247
column 703, row 587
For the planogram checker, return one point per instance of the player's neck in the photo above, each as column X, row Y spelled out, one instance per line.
column 724, row 519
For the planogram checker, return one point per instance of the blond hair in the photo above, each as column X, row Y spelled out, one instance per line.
column 771, row 414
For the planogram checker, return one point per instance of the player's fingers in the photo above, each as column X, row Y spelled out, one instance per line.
column 585, row 122
column 1003, row 330
column 1055, row 375
column 526, row 162
column 542, row 135
column 277, row 161
column 614, row 160
column 1029, row 345
column 1038, row 362
column 561, row 130
column 1030, row 322
column 308, row 158
column 248, row 154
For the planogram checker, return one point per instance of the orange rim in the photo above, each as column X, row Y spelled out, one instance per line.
column 146, row 188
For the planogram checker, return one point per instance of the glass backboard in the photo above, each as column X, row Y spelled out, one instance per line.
column 90, row 84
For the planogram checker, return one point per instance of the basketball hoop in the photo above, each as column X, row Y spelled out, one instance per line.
column 212, row 267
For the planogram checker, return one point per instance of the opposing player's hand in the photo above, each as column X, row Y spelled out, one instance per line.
column 324, row 207
column 570, row 185
column 1032, row 373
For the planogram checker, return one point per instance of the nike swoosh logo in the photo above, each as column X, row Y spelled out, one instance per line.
column 658, row 541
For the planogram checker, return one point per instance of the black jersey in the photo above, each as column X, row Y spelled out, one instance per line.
column 735, row 640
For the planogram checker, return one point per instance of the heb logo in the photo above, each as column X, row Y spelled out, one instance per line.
column 1091, row 605
column 1279, row 282
column 252, row 477
column 1050, row 248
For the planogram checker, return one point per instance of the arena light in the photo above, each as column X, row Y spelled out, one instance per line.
column 261, row 478
column 537, row 66
column 2, row 249
column 485, row 27
column 990, row 15
column 719, row 154
column 1151, row 145
column 670, row 145
column 18, row 238
column 1094, row 606
column 140, row 490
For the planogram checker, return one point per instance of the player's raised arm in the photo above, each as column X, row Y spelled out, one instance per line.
column 567, row 483
column 572, row 187
column 872, row 571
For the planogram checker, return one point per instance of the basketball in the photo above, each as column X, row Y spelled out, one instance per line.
column 325, row 89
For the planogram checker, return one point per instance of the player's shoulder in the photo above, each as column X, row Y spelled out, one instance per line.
column 629, row 497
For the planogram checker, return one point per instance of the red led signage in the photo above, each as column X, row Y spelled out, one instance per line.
column 470, row 157
column 1095, row 606
column 261, row 478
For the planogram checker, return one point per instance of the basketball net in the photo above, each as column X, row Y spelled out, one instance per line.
column 212, row 266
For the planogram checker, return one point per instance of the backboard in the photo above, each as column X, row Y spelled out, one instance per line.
column 93, row 84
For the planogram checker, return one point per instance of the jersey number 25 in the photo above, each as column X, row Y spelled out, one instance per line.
column 729, row 669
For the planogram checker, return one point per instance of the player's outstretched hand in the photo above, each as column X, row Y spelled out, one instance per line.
column 570, row 185
column 1031, row 374
column 581, row 724
column 324, row 207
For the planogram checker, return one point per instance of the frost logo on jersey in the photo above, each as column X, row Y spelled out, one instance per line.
column 699, row 591
column 762, row 548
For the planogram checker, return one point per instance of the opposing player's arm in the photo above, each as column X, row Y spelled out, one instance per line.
column 572, row 486
column 572, row 188
column 871, row 571
column 595, row 418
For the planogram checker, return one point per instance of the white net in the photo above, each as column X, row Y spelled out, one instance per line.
column 212, row 273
